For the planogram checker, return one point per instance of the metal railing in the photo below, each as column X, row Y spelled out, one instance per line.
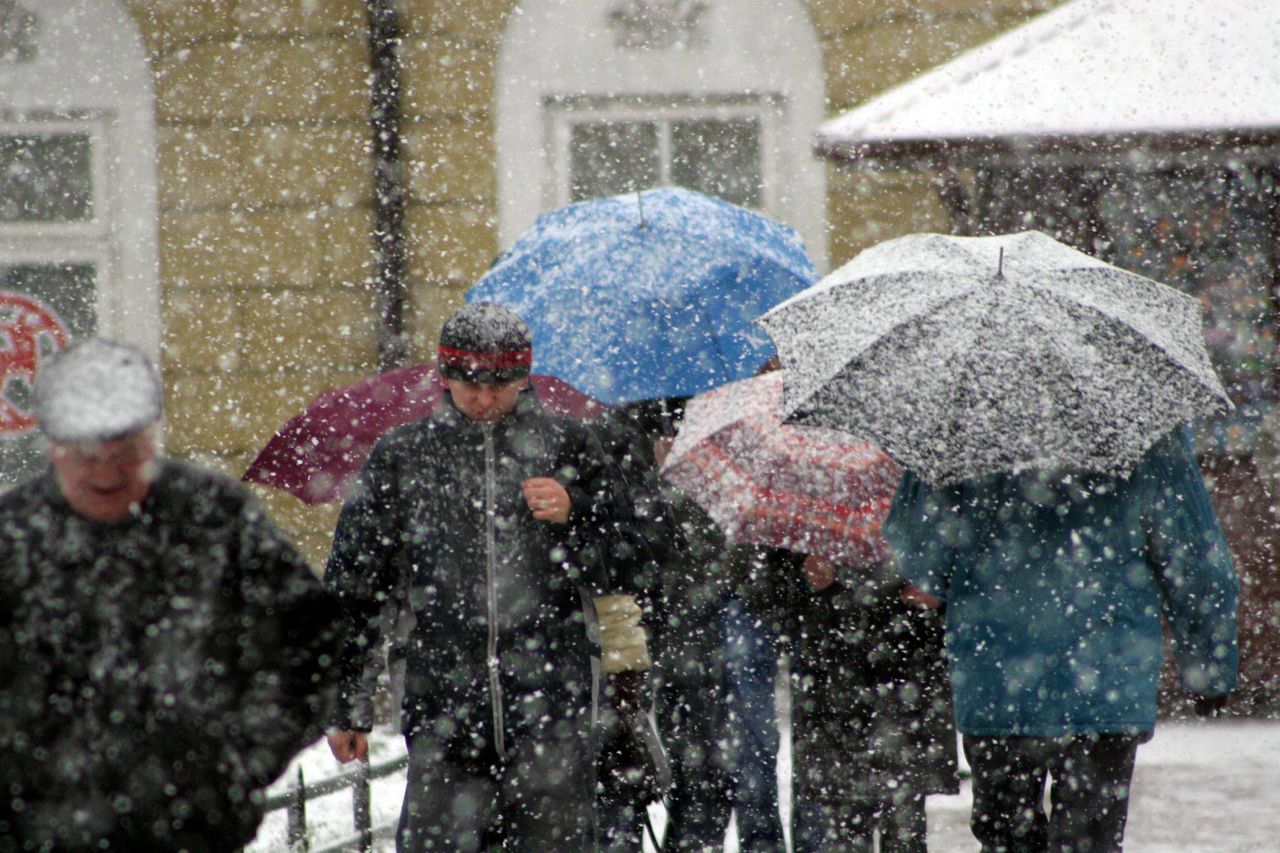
column 294, row 802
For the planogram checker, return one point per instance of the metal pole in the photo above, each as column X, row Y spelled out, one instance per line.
column 388, row 180
column 296, row 815
column 361, row 816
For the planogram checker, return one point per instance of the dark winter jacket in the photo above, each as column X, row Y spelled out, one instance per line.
column 763, row 578
column 1057, row 587
column 499, row 639
column 153, row 672
column 650, row 536
column 692, row 705
column 693, row 581
column 872, row 715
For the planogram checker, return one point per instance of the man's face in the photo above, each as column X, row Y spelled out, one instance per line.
column 485, row 402
column 101, row 480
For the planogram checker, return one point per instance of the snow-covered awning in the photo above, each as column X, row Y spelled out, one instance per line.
column 1176, row 74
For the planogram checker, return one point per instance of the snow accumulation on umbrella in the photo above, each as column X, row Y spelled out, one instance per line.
column 812, row 490
column 1089, row 68
column 648, row 295
column 964, row 356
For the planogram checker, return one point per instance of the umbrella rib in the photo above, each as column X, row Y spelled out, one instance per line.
column 1097, row 310
column 884, row 339
column 960, row 388
column 890, row 334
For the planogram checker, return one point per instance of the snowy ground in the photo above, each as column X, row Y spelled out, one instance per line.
column 1199, row 787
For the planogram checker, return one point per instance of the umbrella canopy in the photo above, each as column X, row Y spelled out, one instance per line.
column 813, row 490
column 964, row 356
column 650, row 294
column 317, row 454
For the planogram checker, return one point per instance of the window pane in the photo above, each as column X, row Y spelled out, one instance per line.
column 608, row 158
column 720, row 158
column 46, row 178
column 42, row 306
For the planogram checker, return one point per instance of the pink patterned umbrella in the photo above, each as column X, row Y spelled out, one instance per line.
column 317, row 454
column 813, row 490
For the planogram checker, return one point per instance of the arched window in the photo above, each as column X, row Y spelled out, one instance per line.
column 597, row 98
column 78, row 216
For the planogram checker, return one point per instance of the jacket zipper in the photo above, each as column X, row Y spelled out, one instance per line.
column 491, row 592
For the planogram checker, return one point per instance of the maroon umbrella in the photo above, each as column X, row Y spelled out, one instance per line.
column 317, row 454
column 813, row 490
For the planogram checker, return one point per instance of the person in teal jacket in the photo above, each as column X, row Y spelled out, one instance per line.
column 1056, row 585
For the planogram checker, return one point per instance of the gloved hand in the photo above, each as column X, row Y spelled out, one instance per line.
column 1211, row 706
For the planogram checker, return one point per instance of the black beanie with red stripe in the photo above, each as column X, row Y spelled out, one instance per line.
column 485, row 342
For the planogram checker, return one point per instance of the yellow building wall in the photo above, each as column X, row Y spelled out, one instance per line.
column 868, row 47
column 265, row 221
column 266, row 203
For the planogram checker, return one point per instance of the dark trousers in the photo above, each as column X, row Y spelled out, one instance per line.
column 621, row 828
column 538, row 799
column 690, row 713
column 847, row 827
column 691, row 710
column 1089, row 795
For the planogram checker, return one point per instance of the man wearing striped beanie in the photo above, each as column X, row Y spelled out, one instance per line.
column 501, row 513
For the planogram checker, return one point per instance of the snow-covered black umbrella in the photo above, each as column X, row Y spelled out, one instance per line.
column 966, row 356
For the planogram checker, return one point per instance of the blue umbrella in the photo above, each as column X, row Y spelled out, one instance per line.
column 648, row 295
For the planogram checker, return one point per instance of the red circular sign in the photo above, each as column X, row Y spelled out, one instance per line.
column 29, row 331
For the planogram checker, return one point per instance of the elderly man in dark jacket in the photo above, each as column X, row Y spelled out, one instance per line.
column 163, row 648
column 497, row 511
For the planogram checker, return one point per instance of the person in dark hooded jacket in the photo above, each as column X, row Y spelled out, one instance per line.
column 163, row 648
column 499, row 512
column 873, row 728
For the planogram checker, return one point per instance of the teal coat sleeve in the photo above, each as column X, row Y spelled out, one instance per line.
column 1194, row 571
column 921, row 529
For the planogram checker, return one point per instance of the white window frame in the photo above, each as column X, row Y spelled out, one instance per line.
column 90, row 73
column 97, row 254
column 99, row 143
column 88, row 241
column 562, row 114
column 561, row 58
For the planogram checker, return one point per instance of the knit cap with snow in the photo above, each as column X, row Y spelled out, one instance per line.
column 485, row 342
column 97, row 390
